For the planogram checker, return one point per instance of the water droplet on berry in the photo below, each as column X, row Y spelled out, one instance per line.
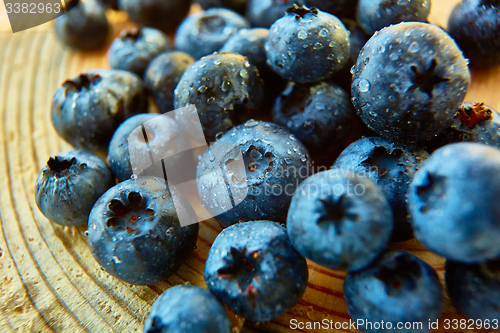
column 202, row 89
column 413, row 47
column 244, row 73
column 302, row 34
column 317, row 46
column 324, row 33
column 373, row 114
column 364, row 85
column 217, row 62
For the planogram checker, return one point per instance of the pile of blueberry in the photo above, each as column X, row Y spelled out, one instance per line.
column 368, row 88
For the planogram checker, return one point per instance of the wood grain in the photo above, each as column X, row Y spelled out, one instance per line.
column 49, row 280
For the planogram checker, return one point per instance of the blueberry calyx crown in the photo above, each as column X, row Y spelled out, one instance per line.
column 61, row 165
column 336, row 214
column 404, row 274
column 82, row 82
column 258, row 162
column 126, row 213
column 473, row 115
column 242, row 265
column 383, row 159
column 133, row 34
column 301, row 11
column 426, row 81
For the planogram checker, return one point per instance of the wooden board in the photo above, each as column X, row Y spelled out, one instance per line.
column 48, row 278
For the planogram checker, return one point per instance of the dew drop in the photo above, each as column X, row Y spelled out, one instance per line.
column 324, row 33
column 413, row 47
column 251, row 123
column 364, row 85
column 317, row 46
column 302, row 34
column 244, row 73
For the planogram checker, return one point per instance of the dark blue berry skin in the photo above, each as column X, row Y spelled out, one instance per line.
column 408, row 82
column 398, row 287
column 474, row 122
column 475, row 289
column 159, row 14
column 392, row 166
column 69, row 185
column 475, row 26
column 374, row 15
column 225, row 88
column 255, row 271
column 87, row 109
column 236, row 5
column 205, row 32
column 187, row 309
column 275, row 165
column 339, row 220
column 339, row 8
column 318, row 114
column 249, row 43
column 133, row 49
column 307, row 45
column 85, row 27
column 118, row 151
column 162, row 76
column 263, row 13
column 456, row 186
column 134, row 232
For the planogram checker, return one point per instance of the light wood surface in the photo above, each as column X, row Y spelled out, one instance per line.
column 49, row 280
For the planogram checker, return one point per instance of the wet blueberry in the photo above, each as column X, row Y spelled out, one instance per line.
column 274, row 165
column 318, row 114
column 134, row 232
column 374, row 15
column 408, row 82
column 263, row 13
column 392, row 166
column 84, row 27
column 225, row 88
column 205, row 32
column 255, row 271
column 307, row 45
column 162, row 76
column 339, row 219
column 397, row 288
column 133, row 49
column 187, row 309
column 473, row 122
column 453, row 202
column 87, row 109
column 69, row 185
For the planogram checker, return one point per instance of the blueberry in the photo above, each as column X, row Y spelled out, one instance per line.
column 225, row 88
column 473, row 122
column 318, row 114
column 408, row 82
column 205, row 32
column 160, row 14
column 475, row 289
column 339, row 8
column 307, row 45
column 397, row 288
column 249, row 43
column 392, row 166
column 255, row 271
column 275, row 163
column 69, row 185
column 263, row 13
column 374, row 15
column 453, row 202
column 118, row 151
column 475, row 26
column 236, row 5
column 83, row 27
column 134, row 232
column 133, row 49
column 162, row 76
column 339, row 219
column 87, row 109
column 187, row 309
